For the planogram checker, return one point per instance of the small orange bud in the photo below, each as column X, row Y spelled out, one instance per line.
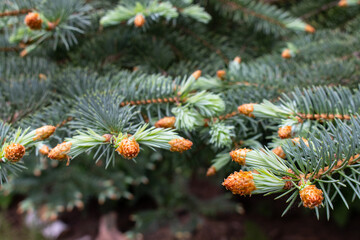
column 221, row 74
column 211, row 171
column 33, row 21
column 309, row 28
column 284, row 132
column 180, row 145
column 44, row 132
column 44, row 150
column 60, row 151
column 240, row 183
column 246, row 109
column 14, row 152
column 239, row 155
column 342, row 3
column 139, row 20
column 166, row 122
column 311, row 196
column 286, row 53
column 196, row 74
column 237, row 59
column 279, row 152
column 128, row 148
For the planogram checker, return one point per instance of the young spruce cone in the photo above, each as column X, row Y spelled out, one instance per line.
column 221, row 74
column 240, row 183
column 14, row 152
column 239, row 155
column 279, row 152
column 33, row 21
column 128, row 148
column 342, row 3
column 286, row 54
column 139, row 20
column 44, row 132
column 309, row 29
column 196, row 74
column 44, row 150
column 166, row 122
column 246, row 109
column 311, row 196
column 180, row 145
column 60, row 151
column 237, row 59
column 284, row 132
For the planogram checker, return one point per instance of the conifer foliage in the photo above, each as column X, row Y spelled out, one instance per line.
column 99, row 98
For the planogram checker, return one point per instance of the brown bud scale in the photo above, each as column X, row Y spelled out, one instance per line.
column 279, row 152
column 221, row 74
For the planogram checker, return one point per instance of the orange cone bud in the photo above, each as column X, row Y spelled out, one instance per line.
column 196, row 74
column 60, row 152
column 33, row 21
column 286, row 54
column 237, row 59
column 246, row 109
column 166, row 122
column 128, row 148
column 180, row 145
column 239, row 155
column 311, row 196
column 279, row 152
column 107, row 137
column 44, row 132
column 139, row 20
column 44, row 150
column 284, row 132
column 240, row 183
column 309, row 29
column 14, row 152
column 221, row 74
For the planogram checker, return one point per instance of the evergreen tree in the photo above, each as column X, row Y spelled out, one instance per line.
column 128, row 99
